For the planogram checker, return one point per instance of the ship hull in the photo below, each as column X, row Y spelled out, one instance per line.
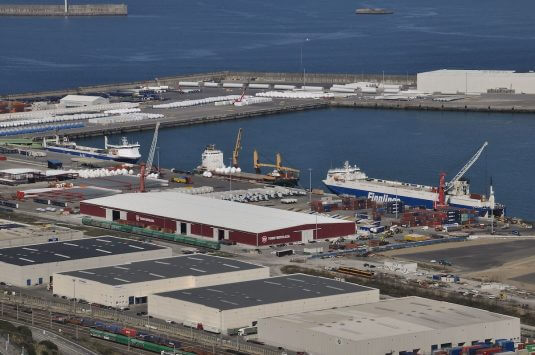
column 91, row 155
column 400, row 195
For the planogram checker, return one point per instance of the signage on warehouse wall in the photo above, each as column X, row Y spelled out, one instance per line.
column 265, row 238
column 144, row 219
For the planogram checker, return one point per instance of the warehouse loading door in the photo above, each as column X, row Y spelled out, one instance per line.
column 220, row 234
column 115, row 215
column 183, row 228
column 307, row 235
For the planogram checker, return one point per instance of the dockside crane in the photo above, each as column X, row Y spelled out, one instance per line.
column 145, row 168
column 447, row 186
column 277, row 166
column 237, row 149
column 242, row 95
column 152, row 150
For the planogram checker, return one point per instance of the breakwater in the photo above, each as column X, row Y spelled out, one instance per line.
column 59, row 10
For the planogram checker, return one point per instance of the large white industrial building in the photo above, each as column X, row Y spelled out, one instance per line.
column 235, row 305
column 387, row 327
column 36, row 263
column 82, row 100
column 121, row 285
column 446, row 81
column 205, row 217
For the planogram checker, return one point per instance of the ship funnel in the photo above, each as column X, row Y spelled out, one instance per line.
column 105, row 142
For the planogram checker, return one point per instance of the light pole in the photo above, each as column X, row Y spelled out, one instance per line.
column 74, row 295
column 158, row 152
column 230, row 179
column 304, row 72
column 310, row 187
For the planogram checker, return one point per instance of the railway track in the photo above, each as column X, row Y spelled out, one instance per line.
column 38, row 316
column 43, row 319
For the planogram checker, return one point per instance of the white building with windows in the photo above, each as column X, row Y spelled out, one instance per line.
column 242, row 304
column 131, row 283
column 35, row 264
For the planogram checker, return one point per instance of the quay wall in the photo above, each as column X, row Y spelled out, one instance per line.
column 59, row 10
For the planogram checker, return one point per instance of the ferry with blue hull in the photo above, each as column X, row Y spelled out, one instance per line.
column 350, row 180
column 125, row 152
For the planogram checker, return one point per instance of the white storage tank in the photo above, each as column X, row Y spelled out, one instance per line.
column 259, row 86
column 189, row 83
column 233, row 85
column 311, row 88
column 342, row 89
column 284, row 87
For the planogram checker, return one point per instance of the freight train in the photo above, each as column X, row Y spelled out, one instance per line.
column 126, row 336
column 136, row 343
column 179, row 238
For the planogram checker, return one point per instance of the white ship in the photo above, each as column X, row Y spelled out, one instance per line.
column 125, row 152
column 212, row 159
column 350, row 180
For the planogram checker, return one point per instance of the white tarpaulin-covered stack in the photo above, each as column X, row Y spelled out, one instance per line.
column 296, row 94
column 189, row 103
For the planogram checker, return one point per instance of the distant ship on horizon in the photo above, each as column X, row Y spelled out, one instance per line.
column 373, row 11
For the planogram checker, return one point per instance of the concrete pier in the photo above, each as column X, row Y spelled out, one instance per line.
column 325, row 79
column 59, row 10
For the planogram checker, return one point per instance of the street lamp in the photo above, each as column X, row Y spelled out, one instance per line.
column 74, row 295
column 310, row 187
column 302, row 44
column 230, row 179
column 158, row 153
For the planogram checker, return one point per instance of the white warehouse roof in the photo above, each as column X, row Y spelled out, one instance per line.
column 389, row 326
column 399, row 316
column 81, row 98
column 209, row 211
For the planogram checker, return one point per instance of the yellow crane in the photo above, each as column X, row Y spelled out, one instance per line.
column 277, row 166
column 237, row 148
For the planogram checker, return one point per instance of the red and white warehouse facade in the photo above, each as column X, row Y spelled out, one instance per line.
column 214, row 219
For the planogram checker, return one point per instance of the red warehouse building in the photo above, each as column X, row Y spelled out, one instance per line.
column 199, row 216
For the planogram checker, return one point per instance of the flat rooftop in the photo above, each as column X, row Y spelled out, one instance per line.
column 400, row 316
column 210, row 211
column 264, row 291
column 164, row 268
column 72, row 250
